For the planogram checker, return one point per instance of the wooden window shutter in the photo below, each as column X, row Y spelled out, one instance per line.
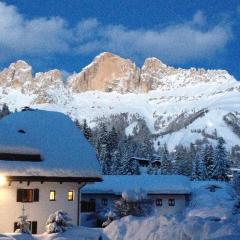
column 34, row 227
column 36, row 195
column 19, row 195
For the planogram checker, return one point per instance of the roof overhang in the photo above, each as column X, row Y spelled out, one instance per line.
column 52, row 179
column 149, row 194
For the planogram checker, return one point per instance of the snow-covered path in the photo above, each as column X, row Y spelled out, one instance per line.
column 81, row 233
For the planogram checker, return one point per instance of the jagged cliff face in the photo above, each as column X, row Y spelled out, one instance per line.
column 109, row 72
column 106, row 73
column 17, row 76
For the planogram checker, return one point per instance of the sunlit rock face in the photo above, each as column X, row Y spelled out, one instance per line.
column 107, row 72
column 17, row 76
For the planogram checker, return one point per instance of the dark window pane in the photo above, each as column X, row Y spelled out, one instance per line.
column 88, row 206
column 34, row 227
column 104, row 202
column 158, row 202
column 171, row 202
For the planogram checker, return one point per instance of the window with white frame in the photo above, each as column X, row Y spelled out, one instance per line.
column 70, row 195
column 52, row 195
column 171, row 202
column 158, row 202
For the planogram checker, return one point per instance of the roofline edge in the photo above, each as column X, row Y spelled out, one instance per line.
column 52, row 179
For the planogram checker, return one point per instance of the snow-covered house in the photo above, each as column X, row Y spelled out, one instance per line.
column 145, row 163
column 44, row 163
column 170, row 194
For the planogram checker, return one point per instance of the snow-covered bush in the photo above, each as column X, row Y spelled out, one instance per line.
column 133, row 203
column 58, row 222
column 23, row 223
column 110, row 217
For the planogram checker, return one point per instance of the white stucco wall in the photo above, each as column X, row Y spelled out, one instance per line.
column 10, row 209
column 180, row 202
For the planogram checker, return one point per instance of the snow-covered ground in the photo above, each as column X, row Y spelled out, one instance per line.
column 209, row 217
column 75, row 233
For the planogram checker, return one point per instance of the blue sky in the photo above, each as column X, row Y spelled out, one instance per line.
column 67, row 34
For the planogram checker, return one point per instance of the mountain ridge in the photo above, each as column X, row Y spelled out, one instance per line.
column 178, row 105
column 108, row 72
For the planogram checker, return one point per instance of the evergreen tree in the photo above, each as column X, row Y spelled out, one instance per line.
column 87, row 132
column 194, row 175
column 101, row 138
column 144, row 140
column 209, row 160
column 23, row 223
column 145, row 149
column 78, row 124
column 5, row 111
column 58, row 222
column 116, row 163
column 113, row 139
column 182, row 165
column 199, row 171
column 105, row 160
column 202, row 166
column 192, row 151
column 127, row 167
column 166, row 164
column 221, row 165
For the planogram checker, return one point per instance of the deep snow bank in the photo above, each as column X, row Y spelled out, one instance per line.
column 208, row 217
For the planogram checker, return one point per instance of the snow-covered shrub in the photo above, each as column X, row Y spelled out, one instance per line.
column 110, row 217
column 23, row 223
column 58, row 222
column 133, row 203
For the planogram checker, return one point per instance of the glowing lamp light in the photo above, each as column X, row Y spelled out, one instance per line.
column 3, row 181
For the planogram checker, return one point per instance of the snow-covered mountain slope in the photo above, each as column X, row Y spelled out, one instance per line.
column 179, row 105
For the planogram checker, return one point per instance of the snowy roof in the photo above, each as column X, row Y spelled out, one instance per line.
column 63, row 149
column 151, row 184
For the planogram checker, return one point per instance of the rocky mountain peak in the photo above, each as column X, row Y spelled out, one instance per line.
column 107, row 72
column 154, row 63
column 16, row 74
column 110, row 72
column 51, row 77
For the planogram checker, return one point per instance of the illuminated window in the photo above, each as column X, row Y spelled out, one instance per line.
column 70, row 196
column 52, row 195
